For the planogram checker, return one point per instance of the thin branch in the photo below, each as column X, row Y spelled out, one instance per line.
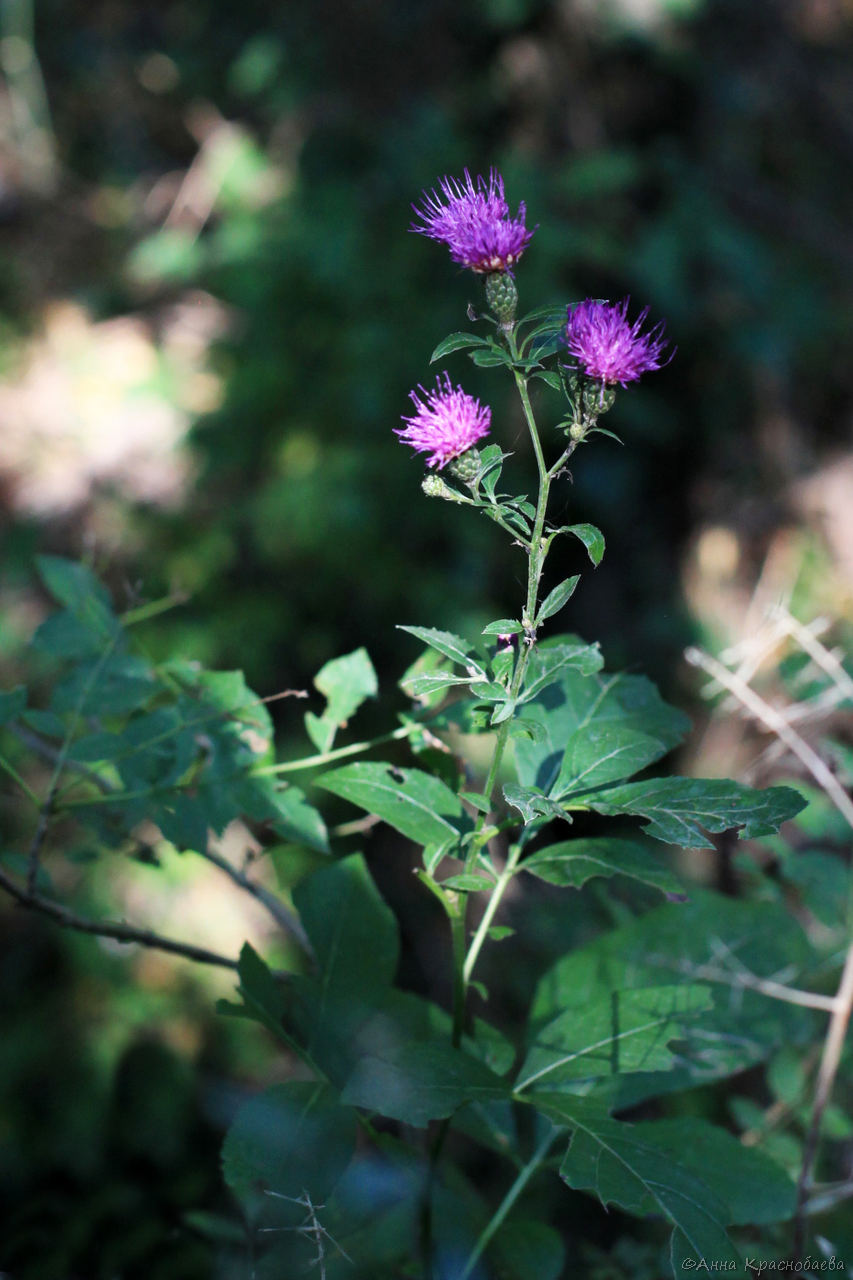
column 832, row 1050
column 777, row 724
column 45, row 814
column 104, row 929
column 819, row 654
column 764, row 986
column 282, row 914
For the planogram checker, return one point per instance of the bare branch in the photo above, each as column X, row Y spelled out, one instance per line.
column 776, row 723
column 819, row 654
column 282, row 914
column 830, row 1059
column 105, row 929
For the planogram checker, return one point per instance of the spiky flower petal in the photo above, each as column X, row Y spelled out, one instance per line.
column 610, row 348
column 446, row 422
column 472, row 218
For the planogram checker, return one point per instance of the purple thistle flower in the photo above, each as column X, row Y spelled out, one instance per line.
column 608, row 347
column 447, row 422
column 473, row 220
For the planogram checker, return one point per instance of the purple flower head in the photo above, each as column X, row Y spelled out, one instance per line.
column 608, row 347
column 446, row 422
column 473, row 220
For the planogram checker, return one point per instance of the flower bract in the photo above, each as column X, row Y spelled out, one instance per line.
column 608, row 347
column 472, row 218
column 446, row 423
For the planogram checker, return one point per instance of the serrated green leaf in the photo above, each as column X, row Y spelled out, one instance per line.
column 623, row 1032
column 618, row 1163
column 754, row 1188
column 445, row 642
column 572, row 862
column 708, row 935
column 682, row 810
column 346, row 683
column 533, row 804
column 456, row 342
column 551, row 659
column 419, row 1081
column 412, row 802
column 555, row 599
column 600, row 753
column 568, row 702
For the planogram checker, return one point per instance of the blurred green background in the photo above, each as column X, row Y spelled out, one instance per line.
column 211, row 314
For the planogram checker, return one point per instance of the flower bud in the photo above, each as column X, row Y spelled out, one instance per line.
column 502, row 296
column 434, row 487
column 598, row 398
column 578, row 430
column 467, row 466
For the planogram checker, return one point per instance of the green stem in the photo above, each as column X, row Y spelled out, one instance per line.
column 537, row 551
column 151, row 610
column 489, row 915
column 457, row 929
column 339, row 753
column 25, row 787
column 521, row 1181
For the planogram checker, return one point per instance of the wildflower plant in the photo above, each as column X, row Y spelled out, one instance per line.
column 393, row 1098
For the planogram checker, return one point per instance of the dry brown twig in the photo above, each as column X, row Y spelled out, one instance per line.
column 779, row 723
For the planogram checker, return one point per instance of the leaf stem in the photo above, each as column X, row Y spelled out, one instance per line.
column 339, row 753
column 497, row 1219
column 489, row 914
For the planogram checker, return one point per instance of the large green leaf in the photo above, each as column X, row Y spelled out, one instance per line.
column 601, row 753
column 346, row 683
column 621, row 1165
column 572, row 862
column 561, row 659
column 710, row 935
column 620, row 1032
column 753, row 1186
column 419, row 1081
column 355, row 940
column 414, row 803
column 576, row 705
column 352, row 929
column 682, row 810
column 293, row 1139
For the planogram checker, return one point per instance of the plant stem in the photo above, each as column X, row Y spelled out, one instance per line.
column 457, row 929
column 339, row 753
column 489, row 914
column 521, row 1181
column 536, row 553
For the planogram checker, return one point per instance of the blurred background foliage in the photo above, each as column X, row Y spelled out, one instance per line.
column 211, row 314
